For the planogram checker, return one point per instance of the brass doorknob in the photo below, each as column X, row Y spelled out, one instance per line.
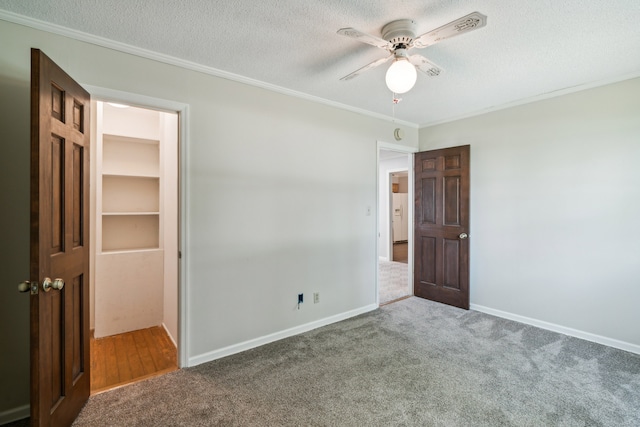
column 27, row 286
column 463, row 236
column 58, row 284
column 47, row 284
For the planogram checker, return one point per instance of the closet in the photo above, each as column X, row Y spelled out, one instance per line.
column 135, row 282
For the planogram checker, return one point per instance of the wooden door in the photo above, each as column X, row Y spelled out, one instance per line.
column 59, row 244
column 441, row 247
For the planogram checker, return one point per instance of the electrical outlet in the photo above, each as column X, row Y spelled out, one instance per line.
column 300, row 298
column 316, row 297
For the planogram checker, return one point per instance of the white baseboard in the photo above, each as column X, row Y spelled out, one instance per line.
column 14, row 414
column 383, row 258
column 622, row 345
column 169, row 333
column 257, row 342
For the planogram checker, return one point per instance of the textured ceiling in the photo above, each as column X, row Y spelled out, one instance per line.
column 527, row 50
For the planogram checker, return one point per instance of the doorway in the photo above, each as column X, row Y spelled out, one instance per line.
column 395, row 240
column 399, row 223
column 134, row 256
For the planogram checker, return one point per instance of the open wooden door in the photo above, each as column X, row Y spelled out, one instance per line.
column 59, row 272
column 441, row 248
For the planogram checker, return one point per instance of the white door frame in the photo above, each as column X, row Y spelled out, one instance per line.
column 143, row 101
column 410, row 177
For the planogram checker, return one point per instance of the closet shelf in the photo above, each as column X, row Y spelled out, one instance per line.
column 129, row 175
column 129, row 213
column 125, row 251
column 112, row 137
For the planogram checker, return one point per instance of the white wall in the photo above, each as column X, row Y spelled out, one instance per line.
column 385, row 166
column 277, row 193
column 555, row 209
column 170, row 221
column 403, row 183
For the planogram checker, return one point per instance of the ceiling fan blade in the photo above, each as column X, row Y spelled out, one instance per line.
column 365, row 38
column 369, row 66
column 426, row 66
column 471, row 22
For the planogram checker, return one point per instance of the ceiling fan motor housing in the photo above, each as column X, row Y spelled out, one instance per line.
column 400, row 33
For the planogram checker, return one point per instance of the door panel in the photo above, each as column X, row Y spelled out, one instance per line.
column 77, row 187
column 59, row 246
column 427, row 262
column 442, row 212
column 428, row 190
column 451, row 263
column 57, row 205
column 451, row 200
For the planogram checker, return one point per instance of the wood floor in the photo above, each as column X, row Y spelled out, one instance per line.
column 401, row 252
column 129, row 357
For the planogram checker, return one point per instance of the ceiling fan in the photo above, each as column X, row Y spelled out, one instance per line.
column 398, row 37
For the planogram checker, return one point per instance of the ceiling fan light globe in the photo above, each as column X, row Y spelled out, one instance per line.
column 401, row 76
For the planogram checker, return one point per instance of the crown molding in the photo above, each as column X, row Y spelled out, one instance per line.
column 536, row 98
column 189, row 65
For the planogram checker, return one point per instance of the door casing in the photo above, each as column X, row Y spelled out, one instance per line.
column 143, row 101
